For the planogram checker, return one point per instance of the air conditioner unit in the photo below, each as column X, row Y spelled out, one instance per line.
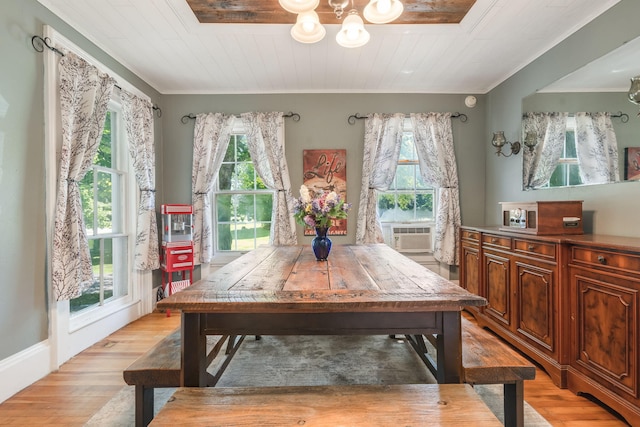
column 412, row 239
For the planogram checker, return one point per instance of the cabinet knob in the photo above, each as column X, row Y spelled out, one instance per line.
column 601, row 259
column 531, row 247
column 494, row 240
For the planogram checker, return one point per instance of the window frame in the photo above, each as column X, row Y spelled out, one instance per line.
column 238, row 130
column 564, row 161
column 407, row 128
column 122, row 227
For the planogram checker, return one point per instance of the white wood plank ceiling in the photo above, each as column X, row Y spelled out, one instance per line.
column 165, row 45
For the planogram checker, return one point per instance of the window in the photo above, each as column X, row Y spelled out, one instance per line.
column 243, row 204
column 103, row 205
column 568, row 170
column 408, row 199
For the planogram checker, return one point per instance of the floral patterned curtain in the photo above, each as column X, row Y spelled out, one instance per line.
column 538, row 164
column 84, row 94
column 265, row 140
column 382, row 141
column 138, row 118
column 596, row 148
column 210, row 142
column 434, row 143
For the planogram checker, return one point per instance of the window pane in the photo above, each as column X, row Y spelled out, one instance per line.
column 245, row 237
column 104, row 153
column 558, row 178
column 424, row 206
column 386, row 207
column 224, row 207
column 574, row 174
column 264, row 206
column 243, row 207
column 244, row 177
column 407, row 149
column 225, row 176
column 262, row 233
column 242, row 149
column 420, row 184
column 86, row 195
column 260, row 184
column 91, row 294
column 405, row 177
column 230, row 155
column 406, row 203
column 105, row 202
column 110, row 270
column 570, row 145
column 226, row 233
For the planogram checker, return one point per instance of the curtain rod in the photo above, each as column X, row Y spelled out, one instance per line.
column 624, row 117
column 191, row 116
column 40, row 43
column 352, row 118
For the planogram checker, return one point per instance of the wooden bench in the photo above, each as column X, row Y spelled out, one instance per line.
column 352, row 405
column 160, row 367
column 487, row 360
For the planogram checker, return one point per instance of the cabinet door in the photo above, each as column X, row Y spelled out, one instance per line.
column 535, row 296
column 470, row 269
column 496, row 279
column 606, row 329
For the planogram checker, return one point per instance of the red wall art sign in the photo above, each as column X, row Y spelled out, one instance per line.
column 326, row 170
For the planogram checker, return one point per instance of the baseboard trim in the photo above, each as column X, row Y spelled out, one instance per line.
column 24, row 368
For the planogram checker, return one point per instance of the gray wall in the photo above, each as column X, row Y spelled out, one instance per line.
column 23, row 297
column 610, row 208
column 324, row 124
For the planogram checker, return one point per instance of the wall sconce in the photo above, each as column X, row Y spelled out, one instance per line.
column 500, row 141
column 530, row 141
column 634, row 91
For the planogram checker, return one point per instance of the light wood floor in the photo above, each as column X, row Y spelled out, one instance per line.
column 70, row 396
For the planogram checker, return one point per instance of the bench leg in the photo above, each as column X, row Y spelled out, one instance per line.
column 514, row 404
column 144, row 405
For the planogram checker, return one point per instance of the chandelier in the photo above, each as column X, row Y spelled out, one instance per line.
column 308, row 28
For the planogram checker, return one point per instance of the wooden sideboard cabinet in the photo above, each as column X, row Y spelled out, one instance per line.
column 570, row 302
column 605, row 323
column 518, row 274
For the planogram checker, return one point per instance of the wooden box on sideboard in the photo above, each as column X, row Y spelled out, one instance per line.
column 542, row 218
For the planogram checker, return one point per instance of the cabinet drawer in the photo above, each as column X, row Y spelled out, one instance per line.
column 178, row 259
column 535, row 249
column 496, row 241
column 471, row 236
column 606, row 260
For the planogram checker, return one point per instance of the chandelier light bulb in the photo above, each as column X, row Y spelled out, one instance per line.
column 299, row 6
column 383, row 11
column 383, row 6
column 308, row 28
column 352, row 33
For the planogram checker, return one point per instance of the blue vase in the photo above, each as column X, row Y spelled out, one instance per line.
column 321, row 244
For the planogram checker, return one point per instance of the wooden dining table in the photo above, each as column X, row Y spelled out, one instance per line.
column 284, row 290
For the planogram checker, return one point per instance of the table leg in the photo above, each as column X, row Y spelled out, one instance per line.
column 194, row 351
column 449, row 349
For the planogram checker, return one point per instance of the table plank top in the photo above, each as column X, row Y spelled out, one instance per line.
column 355, row 278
